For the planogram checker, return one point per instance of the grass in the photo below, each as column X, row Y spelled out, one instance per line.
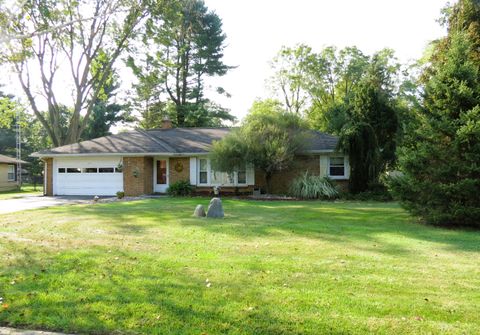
column 149, row 267
column 27, row 189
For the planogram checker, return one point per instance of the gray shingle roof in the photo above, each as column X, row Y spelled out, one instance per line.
column 167, row 141
column 10, row 160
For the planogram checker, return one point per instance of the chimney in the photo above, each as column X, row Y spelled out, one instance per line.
column 166, row 123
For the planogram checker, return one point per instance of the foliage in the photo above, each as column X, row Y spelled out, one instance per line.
column 440, row 163
column 106, row 112
column 369, row 137
column 120, row 195
column 143, row 267
column 182, row 44
column 40, row 39
column 375, row 192
column 33, row 136
column 181, row 188
column 269, row 139
column 313, row 187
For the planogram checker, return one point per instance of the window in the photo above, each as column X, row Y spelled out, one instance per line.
column 337, row 167
column 203, row 168
column 161, row 172
column 11, row 173
column 61, row 170
column 73, row 170
column 90, row 170
column 242, row 175
column 106, row 170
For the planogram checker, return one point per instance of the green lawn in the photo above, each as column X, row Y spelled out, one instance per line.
column 26, row 189
column 268, row 268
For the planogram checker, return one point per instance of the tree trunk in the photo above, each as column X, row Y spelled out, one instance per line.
column 268, row 180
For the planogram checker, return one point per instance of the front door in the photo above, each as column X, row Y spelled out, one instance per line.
column 161, row 175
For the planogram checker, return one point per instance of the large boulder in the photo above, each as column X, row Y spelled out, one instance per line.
column 215, row 209
column 199, row 211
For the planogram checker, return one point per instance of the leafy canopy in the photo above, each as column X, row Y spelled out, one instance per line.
column 269, row 138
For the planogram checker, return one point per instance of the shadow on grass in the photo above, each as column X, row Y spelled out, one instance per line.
column 342, row 222
column 85, row 292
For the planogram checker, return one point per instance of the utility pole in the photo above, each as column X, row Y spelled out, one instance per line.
column 18, row 147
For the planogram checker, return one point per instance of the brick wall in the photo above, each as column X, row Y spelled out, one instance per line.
column 48, row 187
column 142, row 167
column 281, row 181
column 175, row 175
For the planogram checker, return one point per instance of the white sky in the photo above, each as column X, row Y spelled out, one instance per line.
column 257, row 29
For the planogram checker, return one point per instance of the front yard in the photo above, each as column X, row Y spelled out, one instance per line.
column 26, row 189
column 269, row 268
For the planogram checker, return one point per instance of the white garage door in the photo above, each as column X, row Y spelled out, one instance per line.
column 87, row 176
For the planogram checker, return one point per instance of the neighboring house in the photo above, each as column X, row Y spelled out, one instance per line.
column 8, row 173
column 148, row 161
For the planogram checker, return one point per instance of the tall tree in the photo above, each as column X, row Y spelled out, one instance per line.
column 441, row 166
column 184, row 45
column 106, row 111
column 44, row 33
column 289, row 67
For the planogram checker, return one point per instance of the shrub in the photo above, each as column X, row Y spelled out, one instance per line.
column 375, row 192
column 313, row 187
column 180, row 188
column 120, row 194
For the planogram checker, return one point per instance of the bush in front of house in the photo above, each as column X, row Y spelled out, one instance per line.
column 120, row 194
column 309, row 186
column 180, row 188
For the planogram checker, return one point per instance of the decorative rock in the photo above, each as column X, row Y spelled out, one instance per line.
column 215, row 209
column 199, row 211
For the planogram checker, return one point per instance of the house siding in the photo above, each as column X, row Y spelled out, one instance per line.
column 5, row 184
column 143, row 182
column 281, row 181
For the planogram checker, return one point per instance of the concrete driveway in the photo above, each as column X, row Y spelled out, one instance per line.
column 35, row 201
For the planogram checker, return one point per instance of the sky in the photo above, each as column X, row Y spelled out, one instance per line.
column 257, row 29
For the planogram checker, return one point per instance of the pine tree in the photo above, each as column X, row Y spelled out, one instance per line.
column 441, row 181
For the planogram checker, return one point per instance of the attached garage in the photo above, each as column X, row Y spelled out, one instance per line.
column 95, row 176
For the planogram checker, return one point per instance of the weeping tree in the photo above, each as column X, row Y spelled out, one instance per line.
column 269, row 138
column 370, row 136
column 358, row 140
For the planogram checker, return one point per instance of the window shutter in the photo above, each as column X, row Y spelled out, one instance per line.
column 323, row 166
column 193, row 171
column 250, row 174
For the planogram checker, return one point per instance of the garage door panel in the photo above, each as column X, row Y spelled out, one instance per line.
column 87, row 183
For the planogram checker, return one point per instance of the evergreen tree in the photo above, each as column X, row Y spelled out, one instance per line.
column 441, row 181
column 182, row 45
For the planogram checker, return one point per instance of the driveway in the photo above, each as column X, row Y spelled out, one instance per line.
column 35, row 201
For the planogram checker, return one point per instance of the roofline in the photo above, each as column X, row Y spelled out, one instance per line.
column 127, row 154
column 136, row 154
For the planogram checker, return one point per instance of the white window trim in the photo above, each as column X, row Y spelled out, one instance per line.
column 210, row 172
column 345, row 168
column 11, row 172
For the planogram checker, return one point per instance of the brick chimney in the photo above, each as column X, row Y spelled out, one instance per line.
column 166, row 123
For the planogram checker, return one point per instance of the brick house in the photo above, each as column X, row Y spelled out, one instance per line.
column 148, row 161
